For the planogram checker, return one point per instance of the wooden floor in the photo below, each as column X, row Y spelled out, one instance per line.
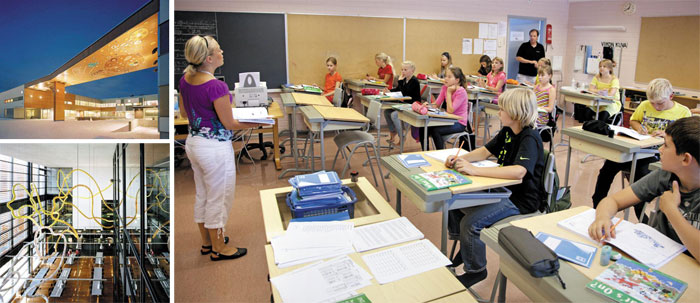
column 197, row 279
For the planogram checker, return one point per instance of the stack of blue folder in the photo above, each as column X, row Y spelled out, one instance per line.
column 320, row 193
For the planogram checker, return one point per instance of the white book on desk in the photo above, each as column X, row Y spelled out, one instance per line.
column 628, row 132
column 252, row 115
column 394, row 94
column 642, row 242
column 385, row 233
column 404, row 261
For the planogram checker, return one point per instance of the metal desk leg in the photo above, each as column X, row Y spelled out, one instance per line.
column 425, row 136
column 563, row 125
column 597, row 108
column 323, row 154
column 568, row 165
column 312, row 138
column 443, row 235
column 398, row 201
column 632, row 172
column 403, row 127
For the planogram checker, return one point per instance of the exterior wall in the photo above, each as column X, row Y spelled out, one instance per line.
column 10, row 94
column 34, row 98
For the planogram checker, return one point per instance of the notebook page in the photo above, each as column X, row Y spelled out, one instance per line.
column 385, row 233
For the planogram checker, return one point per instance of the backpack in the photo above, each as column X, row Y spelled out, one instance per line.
column 561, row 196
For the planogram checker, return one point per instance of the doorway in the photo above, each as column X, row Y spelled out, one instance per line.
column 518, row 33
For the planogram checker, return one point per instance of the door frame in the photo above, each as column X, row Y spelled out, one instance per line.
column 543, row 24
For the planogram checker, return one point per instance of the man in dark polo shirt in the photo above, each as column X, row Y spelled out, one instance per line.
column 528, row 54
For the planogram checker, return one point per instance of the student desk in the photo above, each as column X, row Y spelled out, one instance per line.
column 425, row 121
column 369, row 208
column 513, row 86
column 286, row 89
column 273, row 110
column 356, row 85
column 434, row 86
column 320, row 119
column 435, row 284
column 570, row 94
column 476, row 93
column 477, row 193
column 490, row 109
column 549, row 289
column 690, row 99
column 387, row 102
column 294, row 101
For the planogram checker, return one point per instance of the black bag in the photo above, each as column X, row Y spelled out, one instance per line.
column 530, row 253
column 598, row 127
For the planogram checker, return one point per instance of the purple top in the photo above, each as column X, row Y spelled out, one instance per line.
column 198, row 101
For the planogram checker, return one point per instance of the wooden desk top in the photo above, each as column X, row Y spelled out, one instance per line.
column 620, row 142
column 340, row 114
column 363, row 82
column 478, row 182
column 427, row 286
column 570, row 91
column 369, row 208
column 384, row 98
column 432, row 82
column 682, row 267
column 309, row 99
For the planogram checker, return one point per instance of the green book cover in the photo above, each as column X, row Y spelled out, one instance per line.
column 629, row 281
column 440, row 179
column 361, row 298
column 312, row 89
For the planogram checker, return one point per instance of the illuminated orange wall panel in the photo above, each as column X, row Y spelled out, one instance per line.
column 34, row 98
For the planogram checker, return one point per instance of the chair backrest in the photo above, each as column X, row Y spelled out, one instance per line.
column 338, row 97
column 373, row 112
column 548, row 175
column 425, row 92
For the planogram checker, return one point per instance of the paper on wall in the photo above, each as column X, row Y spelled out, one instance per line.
column 502, row 29
column 483, row 30
column 466, row 46
column 517, row 36
column 478, row 46
column 490, row 45
column 578, row 63
column 556, row 62
column 491, row 54
column 493, row 31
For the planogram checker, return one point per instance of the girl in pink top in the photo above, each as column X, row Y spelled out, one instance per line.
column 496, row 79
column 455, row 98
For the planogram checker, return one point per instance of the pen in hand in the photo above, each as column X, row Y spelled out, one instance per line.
column 457, row 155
column 608, row 236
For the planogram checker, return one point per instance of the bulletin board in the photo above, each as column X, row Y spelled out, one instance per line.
column 354, row 41
column 669, row 48
column 427, row 39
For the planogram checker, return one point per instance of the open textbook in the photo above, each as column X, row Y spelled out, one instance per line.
column 620, row 130
column 642, row 242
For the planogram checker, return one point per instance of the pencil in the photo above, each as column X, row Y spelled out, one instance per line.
column 460, row 148
column 613, row 227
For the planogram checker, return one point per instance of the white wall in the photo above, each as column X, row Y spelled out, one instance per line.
column 556, row 11
column 11, row 93
column 610, row 13
column 90, row 207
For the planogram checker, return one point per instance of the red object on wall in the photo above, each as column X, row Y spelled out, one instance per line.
column 549, row 34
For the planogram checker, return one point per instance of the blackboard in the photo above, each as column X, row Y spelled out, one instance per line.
column 251, row 42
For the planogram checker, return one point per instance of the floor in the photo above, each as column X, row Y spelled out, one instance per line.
column 197, row 279
column 48, row 129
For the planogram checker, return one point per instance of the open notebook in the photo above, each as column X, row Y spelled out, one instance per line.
column 642, row 242
column 442, row 154
column 619, row 130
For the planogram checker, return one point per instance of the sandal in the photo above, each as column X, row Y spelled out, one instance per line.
column 209, row 247
column 239, row 253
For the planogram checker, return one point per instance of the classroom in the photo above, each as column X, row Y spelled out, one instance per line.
column 407, row 151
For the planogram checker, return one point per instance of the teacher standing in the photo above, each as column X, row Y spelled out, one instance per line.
column 528, row 54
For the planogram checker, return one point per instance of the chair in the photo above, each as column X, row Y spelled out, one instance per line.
column 468, row 132
column 362, row 138
column 338, row 97
column 425, row 93
column 548, row 186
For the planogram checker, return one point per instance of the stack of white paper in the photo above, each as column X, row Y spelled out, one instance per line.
column 385, row 233
column 322, row 281
column 252, row 115
column 404, row 261
column 310, row 241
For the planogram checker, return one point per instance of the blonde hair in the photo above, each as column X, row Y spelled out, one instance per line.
column 520, row 104
column 409, row 64
column 607, row 63
column 545, row 69
column 503, row 66
column 658, row 89
column 544, row 60
column 197, row 49
column 386, row 59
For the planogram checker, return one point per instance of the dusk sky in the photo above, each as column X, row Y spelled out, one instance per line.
column 41, row 35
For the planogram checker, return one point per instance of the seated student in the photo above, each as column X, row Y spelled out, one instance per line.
column 455, row 97
column 677, row 183
column 485, row 65
column 333, row 79
column 546, row 94
column 540, row 63
column 604, row 83
column 445, row 64
column 385, row 72
column 409, row 87
column 496, row 79
column 518, row 148
column 651, row 117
